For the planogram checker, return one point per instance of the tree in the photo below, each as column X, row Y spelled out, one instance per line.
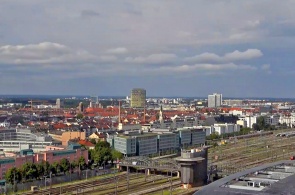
column 13, row 174
column 40, row 169
column 116, row 155
column 30, row 171
column 56, row 168
column 52, row 169
column 260, row 122
column 64, row 165
column 79, row 116
column 102, row 144
column 81, row 162
column 73, row 165
column 46, row 166
column 93, row 141
column 244, row 131
column 214, row 136
column 255, row 126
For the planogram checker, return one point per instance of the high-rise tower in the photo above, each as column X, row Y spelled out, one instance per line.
column 214, row 100
column 138, row 97
column 58, row 103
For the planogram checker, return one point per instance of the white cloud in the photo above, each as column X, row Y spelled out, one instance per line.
column 118, row 50
column 228, row 57
column 246, row 55
column 47, row 53
column 153, row 59
column 209, row 67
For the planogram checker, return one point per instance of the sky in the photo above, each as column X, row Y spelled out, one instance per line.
column 183, row 48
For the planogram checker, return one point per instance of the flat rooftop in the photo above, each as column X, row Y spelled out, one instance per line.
column 272, row 178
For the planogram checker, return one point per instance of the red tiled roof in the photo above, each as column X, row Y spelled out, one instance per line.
column 86, row 143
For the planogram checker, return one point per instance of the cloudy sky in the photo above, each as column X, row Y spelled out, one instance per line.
column 187, row 48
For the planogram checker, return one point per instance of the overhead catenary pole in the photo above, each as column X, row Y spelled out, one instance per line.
column 127, row 179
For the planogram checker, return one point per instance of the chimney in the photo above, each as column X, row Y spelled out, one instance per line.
column 144, row 115
column 119, row 111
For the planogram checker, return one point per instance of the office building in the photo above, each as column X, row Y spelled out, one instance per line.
column 233, row 102
column 138, row 97
column 125, row 144
column 156, row 141
column 214, row 100
column 58, row 103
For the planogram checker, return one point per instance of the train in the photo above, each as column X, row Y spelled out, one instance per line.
column 251, row 135
column 286, row 134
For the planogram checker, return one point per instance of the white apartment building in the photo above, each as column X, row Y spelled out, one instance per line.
column 221, row 128
column 288, row 119
column 272, row 119
column 236, row 112
column 250, row 120
column 209, row 130
column 233, row 102
column 242, row 123
column 214, row 100
column 226, row 128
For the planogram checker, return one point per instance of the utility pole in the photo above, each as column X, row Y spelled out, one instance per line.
column 115, row 182
column 171, row 186
column 70, row 172
column 14, row 189
column 50, row 179
column 45, row 181
column 86, row 174
column 127, row 179
column 79, row 171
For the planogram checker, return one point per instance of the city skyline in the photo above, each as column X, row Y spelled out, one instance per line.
column 170, row 48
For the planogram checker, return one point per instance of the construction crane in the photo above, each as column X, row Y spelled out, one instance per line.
column 36, row 101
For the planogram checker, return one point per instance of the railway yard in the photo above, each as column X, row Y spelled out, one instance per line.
column 132, row 183
column 233, row 156
column 241, row 154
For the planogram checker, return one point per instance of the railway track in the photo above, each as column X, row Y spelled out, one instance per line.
column 245, row 153
column 85, row 185
column 242, row 155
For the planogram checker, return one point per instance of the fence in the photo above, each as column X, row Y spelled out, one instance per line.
column 85, row 174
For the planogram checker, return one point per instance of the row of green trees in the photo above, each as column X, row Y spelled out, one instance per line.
column 30, row 171
column 103, row 153
column 215, row 136
column 100, row 155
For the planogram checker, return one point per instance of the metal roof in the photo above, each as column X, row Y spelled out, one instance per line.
column 272, row 178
